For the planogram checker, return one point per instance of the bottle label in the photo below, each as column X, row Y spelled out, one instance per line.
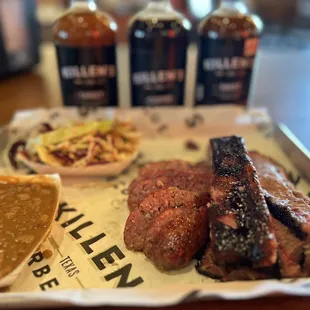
column 225, row 70
column 88, row 75
column 156, row 80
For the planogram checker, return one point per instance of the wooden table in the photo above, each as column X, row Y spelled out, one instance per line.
column 281, row 82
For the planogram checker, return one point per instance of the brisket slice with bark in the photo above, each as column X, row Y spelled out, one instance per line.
column 290, row 254
column 240, row 224
column 207, row 267
column 285, row 203
column 291, row 208
column 290, row 251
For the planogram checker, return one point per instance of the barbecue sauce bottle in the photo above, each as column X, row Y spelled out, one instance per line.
column 229, row 38
column 158, row 39
column 85, row 41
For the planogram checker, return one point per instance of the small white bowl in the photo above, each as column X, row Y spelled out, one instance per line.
column 112, row 169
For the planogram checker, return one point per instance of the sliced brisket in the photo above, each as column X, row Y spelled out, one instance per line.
column 290, row 251
column 207, row 267
column 285, row 203
column 288, row 206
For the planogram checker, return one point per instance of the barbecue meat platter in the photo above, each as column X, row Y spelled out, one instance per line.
column 236, row 213
column 151, row 202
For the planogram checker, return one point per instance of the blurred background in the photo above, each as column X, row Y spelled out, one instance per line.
column 278, row 15
column 281, row 78
column 25, row 24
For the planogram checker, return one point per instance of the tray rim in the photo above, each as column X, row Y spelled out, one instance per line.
column 298, row 154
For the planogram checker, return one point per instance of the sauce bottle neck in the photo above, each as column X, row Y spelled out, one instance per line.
column 90, row 4
column 238, row 5
column 160, row 5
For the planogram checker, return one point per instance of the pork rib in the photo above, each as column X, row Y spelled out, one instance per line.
column 240, row 223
